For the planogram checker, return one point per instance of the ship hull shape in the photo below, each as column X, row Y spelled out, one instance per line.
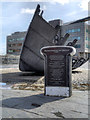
column 39, row 34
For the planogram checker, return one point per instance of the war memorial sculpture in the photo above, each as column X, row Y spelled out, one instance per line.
column 42, row 39
column 40, row 34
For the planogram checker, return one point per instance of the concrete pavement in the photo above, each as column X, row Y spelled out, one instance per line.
column 33, row 104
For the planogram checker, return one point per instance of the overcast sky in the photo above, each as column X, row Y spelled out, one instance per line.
column 16, row 16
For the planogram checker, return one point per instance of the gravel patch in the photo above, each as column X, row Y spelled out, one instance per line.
column 80, row 80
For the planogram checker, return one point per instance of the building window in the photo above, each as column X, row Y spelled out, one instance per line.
column 88, row 31
column 10, row 50
column 19, row 44
column 73, row 30
column 77, row 46
column 18, row 50
column 12, row 45
column 19, row 39
column 87, row 46
column 9, row 40
column 14, row 39
column 87, row 38
column 9, row 45
column 72, row 38
column 69, row 31
column 78, row 30
column 78, row 38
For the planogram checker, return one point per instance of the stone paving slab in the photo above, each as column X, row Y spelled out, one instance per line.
column 33, row 104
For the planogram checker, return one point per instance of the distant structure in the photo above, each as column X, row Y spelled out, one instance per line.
column 15, row 42
column 81, row 32
column 77, row 30
column 9, row 59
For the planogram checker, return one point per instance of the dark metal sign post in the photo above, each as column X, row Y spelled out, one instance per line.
column 58, row 70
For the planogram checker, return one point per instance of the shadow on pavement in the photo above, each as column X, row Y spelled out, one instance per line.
column 73, row 72
column 15, row 77
column 29, row 102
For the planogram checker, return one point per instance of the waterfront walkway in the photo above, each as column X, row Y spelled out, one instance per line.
column 33, row 104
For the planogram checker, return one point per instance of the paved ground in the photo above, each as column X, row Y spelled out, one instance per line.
column 33, row 104
column 13, row 75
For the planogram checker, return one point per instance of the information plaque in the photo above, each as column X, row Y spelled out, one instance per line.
column 58, row 69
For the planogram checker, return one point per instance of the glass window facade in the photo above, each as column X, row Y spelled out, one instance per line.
column 75, row 37
column 19, row 44
column 17, row 50
column 77, row 46
column 78, row 30
column 78, row 38
column 16, row 39
column 88, row 31
column 10, row 51
column 87, row 46
column 73, row 30
column 9, row 45
column 88, row 39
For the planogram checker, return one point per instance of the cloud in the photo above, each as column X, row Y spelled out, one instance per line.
column 31, row 11
column 84, row 5
column 44, row 7
column 72, row 13
column 60, row 1
column 27, row 10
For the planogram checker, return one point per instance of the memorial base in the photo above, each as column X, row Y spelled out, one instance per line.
column 57, row 91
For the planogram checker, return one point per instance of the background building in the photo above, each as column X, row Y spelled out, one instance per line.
column 79, row 31
column 87, row 39
column 15, row 42
column 9, row 59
